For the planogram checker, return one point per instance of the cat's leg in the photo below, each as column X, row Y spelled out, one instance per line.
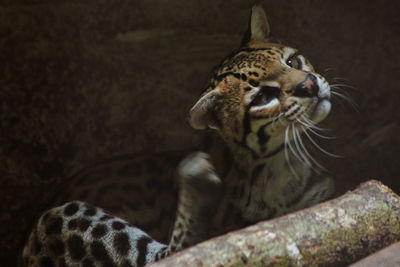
column 199, row 193
column 77, row 234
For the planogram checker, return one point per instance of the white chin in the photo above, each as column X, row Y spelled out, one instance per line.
column 321, row 111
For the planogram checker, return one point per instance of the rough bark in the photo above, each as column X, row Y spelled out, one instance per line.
column 389, row 256
column 334, row 233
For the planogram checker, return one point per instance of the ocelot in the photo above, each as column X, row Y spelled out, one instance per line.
column 258, row 104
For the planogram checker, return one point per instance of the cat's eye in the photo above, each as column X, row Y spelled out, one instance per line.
column 266, row 95
column 260, row 99
column 294, row 61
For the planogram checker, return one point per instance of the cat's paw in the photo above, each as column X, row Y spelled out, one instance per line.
column 197, row 173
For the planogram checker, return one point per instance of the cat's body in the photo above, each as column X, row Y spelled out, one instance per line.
column 259, row 101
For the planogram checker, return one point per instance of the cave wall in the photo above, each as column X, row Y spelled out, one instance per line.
column 93, row 79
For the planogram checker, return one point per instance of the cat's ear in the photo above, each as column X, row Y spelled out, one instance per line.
column 258, row 25
column 202, row 115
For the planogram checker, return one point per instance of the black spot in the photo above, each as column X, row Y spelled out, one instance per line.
column 71, row 209
column 54, row 225
column 141, row 247
column 75, row 247
column 57, row 247
column 106, row 217
column 87, row 263
column 90, row 211
column 46, row 262
column 121, row 243
column 118, row 225
column 244, row 77
column 254, row 83
column 72, row 224
column 222, row 76
column 98, row 251
column 248, row 88
column 126, row 264
column 255, row 74
column 236, row 75
column 99, row 231
column 84, row 224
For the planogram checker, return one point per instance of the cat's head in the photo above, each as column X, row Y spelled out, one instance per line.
column 260, row 91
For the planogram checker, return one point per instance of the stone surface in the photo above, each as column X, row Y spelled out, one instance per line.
column 92, row 79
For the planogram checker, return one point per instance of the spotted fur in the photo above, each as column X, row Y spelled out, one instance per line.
column 259, row 102
column 79, row 233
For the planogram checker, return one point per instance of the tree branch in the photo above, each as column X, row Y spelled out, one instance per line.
column 339, row 231
column 389, row 256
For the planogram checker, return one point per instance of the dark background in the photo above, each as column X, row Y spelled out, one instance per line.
column 86, row 80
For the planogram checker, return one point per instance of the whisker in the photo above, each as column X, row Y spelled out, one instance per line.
column 293, row 150
column 327, row 70
column 287, row 154
column 313, row 125
column 320, row 148
column 344, row 82
column 341, row 79
column 298, row 147
column 274, row 120
column 344, row 91
column 306, row 124
column 343, row 85
column 347, row 99
column 314, row 132
column 307, row 153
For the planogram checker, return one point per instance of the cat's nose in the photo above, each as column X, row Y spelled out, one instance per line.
column 307, row 88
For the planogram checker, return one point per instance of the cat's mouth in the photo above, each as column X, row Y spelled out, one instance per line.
column 316, row 111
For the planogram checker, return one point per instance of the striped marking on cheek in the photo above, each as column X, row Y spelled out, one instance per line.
column 270, row 83
column 249, row 96
column 251, row 92
column 274, row 102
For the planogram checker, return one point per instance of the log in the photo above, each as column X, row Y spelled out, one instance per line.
column 333, row 233
column 389, row 256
